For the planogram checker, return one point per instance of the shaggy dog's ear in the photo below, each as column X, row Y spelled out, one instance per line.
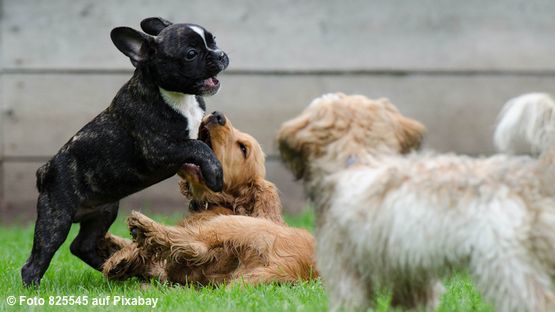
column 410, row 134
column 291, row 149
column 266, row 201
column 292, row 158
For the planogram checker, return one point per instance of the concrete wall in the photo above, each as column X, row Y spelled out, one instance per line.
column 449, row 64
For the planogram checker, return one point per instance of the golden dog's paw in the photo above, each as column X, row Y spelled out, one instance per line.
column 125, row 263
column 139, row 226
column 149, row 236
column 116, row 268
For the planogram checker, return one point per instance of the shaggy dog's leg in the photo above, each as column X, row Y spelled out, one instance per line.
column 347, row 290
column 513, row 281
column 416, row 294
column 51, row 229
column 91, row 232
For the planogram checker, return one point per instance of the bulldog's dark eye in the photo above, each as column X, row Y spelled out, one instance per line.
column 243, row 149
column 191, row 54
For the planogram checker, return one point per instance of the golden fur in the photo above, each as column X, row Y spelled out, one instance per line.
column 246, row 191
column 390, row 218
column 228, row 249
column 214, row 244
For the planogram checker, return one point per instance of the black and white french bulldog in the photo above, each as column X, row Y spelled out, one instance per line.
column 147, row 133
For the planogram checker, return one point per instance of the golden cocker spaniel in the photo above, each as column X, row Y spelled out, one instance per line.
column 235, row 235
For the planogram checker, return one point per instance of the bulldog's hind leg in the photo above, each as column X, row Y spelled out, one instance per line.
column 91, row 232
column 51, row 229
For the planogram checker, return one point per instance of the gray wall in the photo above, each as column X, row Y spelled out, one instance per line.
column 449, row 64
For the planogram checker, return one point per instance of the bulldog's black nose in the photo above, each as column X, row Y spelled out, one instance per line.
column 222, row 60
column 217, row 117
column 221, row 55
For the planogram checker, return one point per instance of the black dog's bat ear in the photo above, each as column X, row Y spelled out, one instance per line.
column 154, row 25
column 132, row 43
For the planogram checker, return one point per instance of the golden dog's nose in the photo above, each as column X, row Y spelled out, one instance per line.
column 217, row 117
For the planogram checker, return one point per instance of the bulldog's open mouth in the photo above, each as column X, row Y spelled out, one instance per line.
column 211, row 82
column 211, row 85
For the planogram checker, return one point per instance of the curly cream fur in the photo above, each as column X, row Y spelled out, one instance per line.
column 526, row 125
column 385, row 219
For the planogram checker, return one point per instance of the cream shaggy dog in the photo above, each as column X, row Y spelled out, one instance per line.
column 390, row 218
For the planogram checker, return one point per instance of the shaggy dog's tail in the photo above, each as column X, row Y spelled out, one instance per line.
column 526, row 125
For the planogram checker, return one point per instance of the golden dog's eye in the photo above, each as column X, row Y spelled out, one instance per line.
column 243, row 149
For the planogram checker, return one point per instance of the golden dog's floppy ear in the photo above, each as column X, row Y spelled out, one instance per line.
column 410, row 134
column 266, row 201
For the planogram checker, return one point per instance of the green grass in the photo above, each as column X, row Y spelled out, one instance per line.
column 68, row 276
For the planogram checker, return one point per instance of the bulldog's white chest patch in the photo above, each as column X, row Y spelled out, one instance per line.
column 188, row 106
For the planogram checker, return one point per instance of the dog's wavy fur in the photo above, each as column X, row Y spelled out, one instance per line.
column 526, row 125
column 236, row 235
column 389, row 217
column 228, row 249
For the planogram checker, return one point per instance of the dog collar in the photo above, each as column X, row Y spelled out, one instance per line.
column 198, row 206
